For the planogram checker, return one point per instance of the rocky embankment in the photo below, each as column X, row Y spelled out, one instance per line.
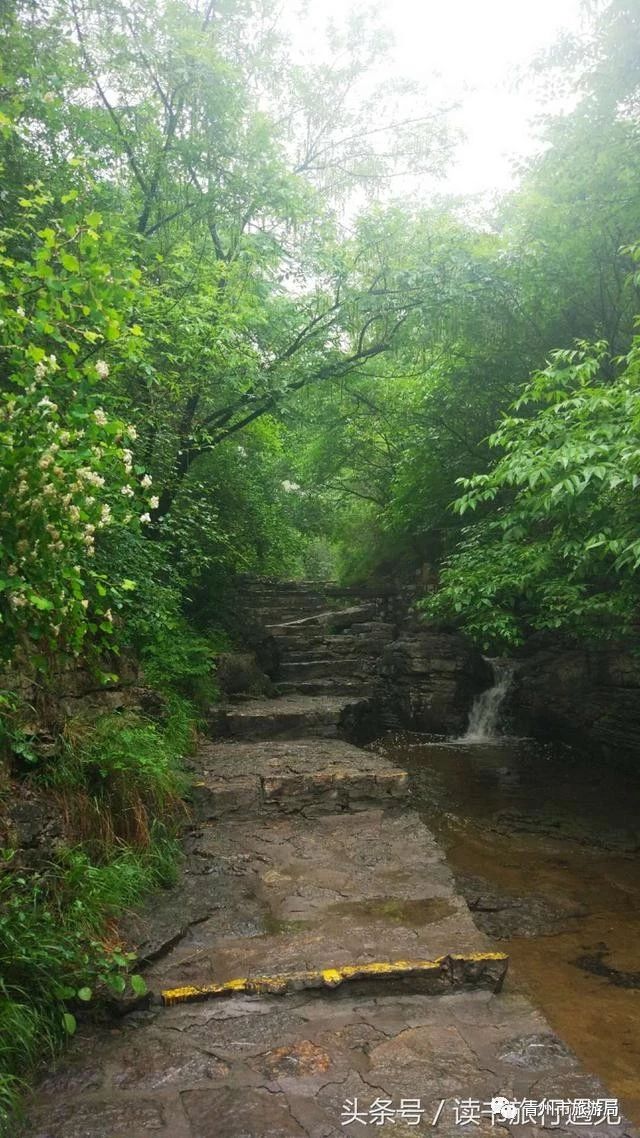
column 588, row 697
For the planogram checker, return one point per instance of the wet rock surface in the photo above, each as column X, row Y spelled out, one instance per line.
column 585, row 695
column 259, row 1067
column 501, row 914
column 294, row 776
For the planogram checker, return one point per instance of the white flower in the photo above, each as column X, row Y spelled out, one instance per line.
column 144, row 518
column 49, row 490
column 102, row 368
column 127, row 458
column 23, row 488
column 126, row 491
column 105, row 514
column 74, row 513
column 108, row 615
column 41, row 370
column 131, row 432
column 89, row 529
column 146, row 481
column 90, row 476
column 53, row 363
column 84, row 603
column 17, row 601
column 47, row 404
column 20, row 311
column 12, row 570
column 100, row 417
column 154, row 502
column 64, row 437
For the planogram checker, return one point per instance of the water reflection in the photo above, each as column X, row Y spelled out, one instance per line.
column 545, row 846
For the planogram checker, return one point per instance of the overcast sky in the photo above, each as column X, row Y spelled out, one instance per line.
column 476, row 48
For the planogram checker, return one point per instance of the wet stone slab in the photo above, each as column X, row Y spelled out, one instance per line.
column 289, row 716
column 312, row 776
column 338, row 890
column 268, row 1068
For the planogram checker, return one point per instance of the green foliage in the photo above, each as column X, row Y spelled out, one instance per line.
column 54, row 956
column 66, row 472
column 558, row 546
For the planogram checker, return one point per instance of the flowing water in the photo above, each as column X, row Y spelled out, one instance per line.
column 484, row 718
column 545, row 845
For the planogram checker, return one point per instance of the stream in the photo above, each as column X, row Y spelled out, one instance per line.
column 545, row 846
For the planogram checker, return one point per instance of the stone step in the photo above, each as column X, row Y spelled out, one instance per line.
column 333, row 619
column 330, row 648
column 287, row 716
column 360, row 656
column 314, row 776
column 333, row 892
column 350, row 666
column 326, row 686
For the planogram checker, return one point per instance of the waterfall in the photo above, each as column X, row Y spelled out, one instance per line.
column 483, row 718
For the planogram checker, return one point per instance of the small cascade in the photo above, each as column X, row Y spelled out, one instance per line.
column 485, row 712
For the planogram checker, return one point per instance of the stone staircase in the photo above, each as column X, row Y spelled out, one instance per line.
column 329, row 643
column 314, row 958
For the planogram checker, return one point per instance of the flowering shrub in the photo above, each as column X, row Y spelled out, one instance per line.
column 68, row 468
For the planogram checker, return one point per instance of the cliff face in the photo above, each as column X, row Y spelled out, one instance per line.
column 586, row 696
column 429, row 676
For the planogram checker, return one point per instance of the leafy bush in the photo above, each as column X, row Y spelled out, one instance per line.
column 55, row 955
column 561, row 548
column 67, row 472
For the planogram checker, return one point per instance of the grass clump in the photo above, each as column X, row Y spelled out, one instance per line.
column 116, row 774
column 59, row 949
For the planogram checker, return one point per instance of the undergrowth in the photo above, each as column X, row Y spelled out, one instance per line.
column 117, row 785
column 59, row 949
column 115, row 774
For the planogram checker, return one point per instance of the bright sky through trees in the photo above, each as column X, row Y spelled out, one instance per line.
column 471, row 53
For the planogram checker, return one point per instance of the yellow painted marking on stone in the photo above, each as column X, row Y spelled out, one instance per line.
column 332, row 975
column 326, row 977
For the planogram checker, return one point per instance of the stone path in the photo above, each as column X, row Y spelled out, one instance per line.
column 306, row 872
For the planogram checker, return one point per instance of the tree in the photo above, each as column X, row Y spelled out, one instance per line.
column 558, row 546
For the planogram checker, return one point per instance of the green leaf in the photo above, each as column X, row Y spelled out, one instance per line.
column 85, row 994
column 70, row 263
column 69, row 1023
column 138, row 984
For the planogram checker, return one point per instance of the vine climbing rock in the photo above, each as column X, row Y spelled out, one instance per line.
column 314, row 965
